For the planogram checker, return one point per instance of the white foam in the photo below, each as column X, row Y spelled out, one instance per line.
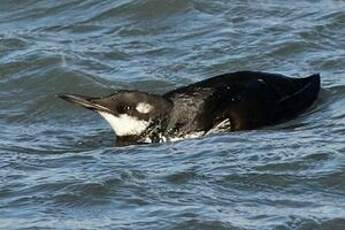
column 187, row 136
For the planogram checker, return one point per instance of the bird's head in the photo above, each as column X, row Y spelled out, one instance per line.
column 129, row 113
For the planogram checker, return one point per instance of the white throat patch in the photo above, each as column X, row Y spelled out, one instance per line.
column 125, row 125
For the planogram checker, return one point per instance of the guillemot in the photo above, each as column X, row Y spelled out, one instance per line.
column 229, row 102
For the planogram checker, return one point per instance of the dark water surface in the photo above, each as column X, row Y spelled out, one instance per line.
column 60, row 169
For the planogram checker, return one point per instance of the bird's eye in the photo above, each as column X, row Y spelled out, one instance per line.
column 123, row 108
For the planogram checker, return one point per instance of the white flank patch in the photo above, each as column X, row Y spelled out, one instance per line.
column 125, row 125
column 143, row 107
column 223, row 126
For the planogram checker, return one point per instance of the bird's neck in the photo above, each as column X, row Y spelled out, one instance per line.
column 153, row 134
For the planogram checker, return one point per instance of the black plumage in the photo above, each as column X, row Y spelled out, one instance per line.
column 235, row 101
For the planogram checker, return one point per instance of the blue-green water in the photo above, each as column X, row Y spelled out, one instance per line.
column 59, row 168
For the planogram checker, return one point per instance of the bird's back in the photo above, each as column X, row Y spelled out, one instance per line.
column 249, row 99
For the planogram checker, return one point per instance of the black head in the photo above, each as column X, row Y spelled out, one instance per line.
column 129, row 113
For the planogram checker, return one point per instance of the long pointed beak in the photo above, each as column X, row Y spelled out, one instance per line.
column 86, row 102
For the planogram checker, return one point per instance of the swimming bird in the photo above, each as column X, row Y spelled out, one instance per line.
column 235, row 101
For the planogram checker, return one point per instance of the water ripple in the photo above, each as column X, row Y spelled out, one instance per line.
column 58, row 163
